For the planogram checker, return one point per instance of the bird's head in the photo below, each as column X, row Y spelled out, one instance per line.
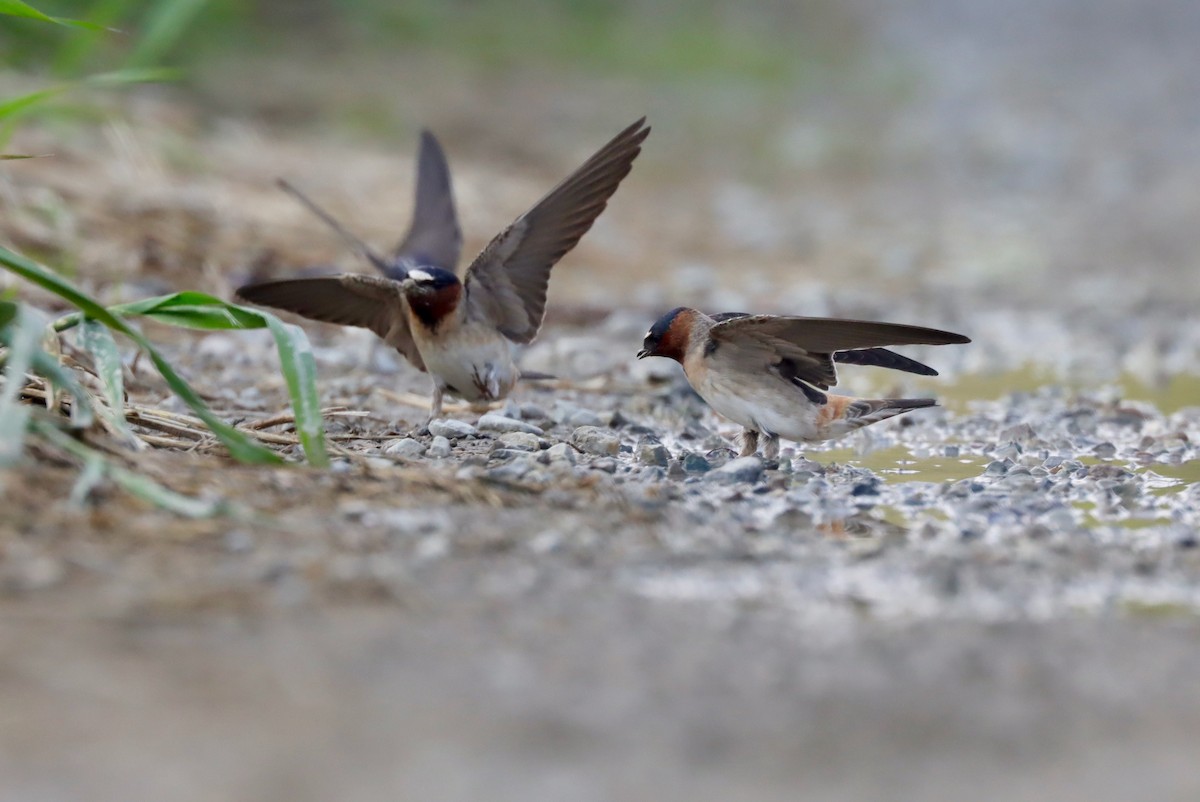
column 433, row 293
column 670, row 335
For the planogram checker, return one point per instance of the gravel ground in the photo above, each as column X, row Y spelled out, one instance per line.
column 583, row 594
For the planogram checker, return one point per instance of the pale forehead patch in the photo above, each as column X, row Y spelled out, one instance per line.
column 420, row 275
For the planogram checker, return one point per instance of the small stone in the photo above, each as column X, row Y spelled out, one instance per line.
column 742, row 469
column 1105, row 451
column 520, row 441
column 719, row 456
column 595, row 440
column 997, row 468
column 561, row 452
column 513, row 471
column 694, row 463
column 1022, row 433
column 651, row 452
column 379, row 463
column 1008, row 451
column 491, row 422
column 440, row 448
column 406, row 448
column 533, row 412
column 606, row 464
column 451, row 429
column 865, row 489
column 584, row 417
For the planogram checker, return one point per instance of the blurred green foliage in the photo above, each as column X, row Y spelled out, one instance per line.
column 763, row 41
column 83, row 46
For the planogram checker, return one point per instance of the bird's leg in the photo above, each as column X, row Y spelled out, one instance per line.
column 771, row 447
column 749, row 443
column 435, row 404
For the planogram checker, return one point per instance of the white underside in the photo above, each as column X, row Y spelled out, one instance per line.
column 473, row 364
column 769, row 405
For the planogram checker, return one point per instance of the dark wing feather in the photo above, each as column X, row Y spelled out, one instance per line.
column 434, row 238
column 871, row 357
column 883, row 358
column 803, row 348
column 367, row 302
column 826, row 335
column 506, row 284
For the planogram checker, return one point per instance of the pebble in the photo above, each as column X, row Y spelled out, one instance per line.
column 451, row 429
column 491, row 422
column 405, row 447
column 651, row 452
column 595, row 440
column 521, row 441
column 513, row 471
column 440, row 448
column 561, row 452
column 742, row 469
column 694, row 463
column 584, row 417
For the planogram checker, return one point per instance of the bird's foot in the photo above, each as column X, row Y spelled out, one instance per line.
column 749, row 443
column 771, row 448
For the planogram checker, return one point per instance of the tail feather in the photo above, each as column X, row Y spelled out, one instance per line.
column 847, row 414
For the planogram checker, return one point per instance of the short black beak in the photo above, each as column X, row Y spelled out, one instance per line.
column 642, row 354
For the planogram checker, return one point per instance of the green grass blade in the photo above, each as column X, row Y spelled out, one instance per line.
column 242, row 447
column 17, row 105
column 90, row 476
column 197, row 310
column 50, row 368
column 141, row 486
column 134, row 75
column 17, row 8
column 300, row 372
column 97, row 340
column 165, row 23
column 149, row 490
column 21, row 334
column 71, row 55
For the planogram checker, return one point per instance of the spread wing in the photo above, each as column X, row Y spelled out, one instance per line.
column 506, row 284
column 803, row 349
column 434, row 237
column 871, row 357
column 368, row 302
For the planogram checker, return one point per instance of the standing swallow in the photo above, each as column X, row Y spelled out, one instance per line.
column 769, row 373
column 461, row 332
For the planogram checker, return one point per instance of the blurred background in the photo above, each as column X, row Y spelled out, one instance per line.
column 1026, row 172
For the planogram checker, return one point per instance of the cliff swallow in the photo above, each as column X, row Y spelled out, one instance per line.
column 461, row 332
column 770, row 374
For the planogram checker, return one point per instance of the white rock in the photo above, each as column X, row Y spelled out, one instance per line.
column 491, row 422
column 595, row 440
column 521, row 441
column 561, row 452
column 451, row 429
column 405, row 448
